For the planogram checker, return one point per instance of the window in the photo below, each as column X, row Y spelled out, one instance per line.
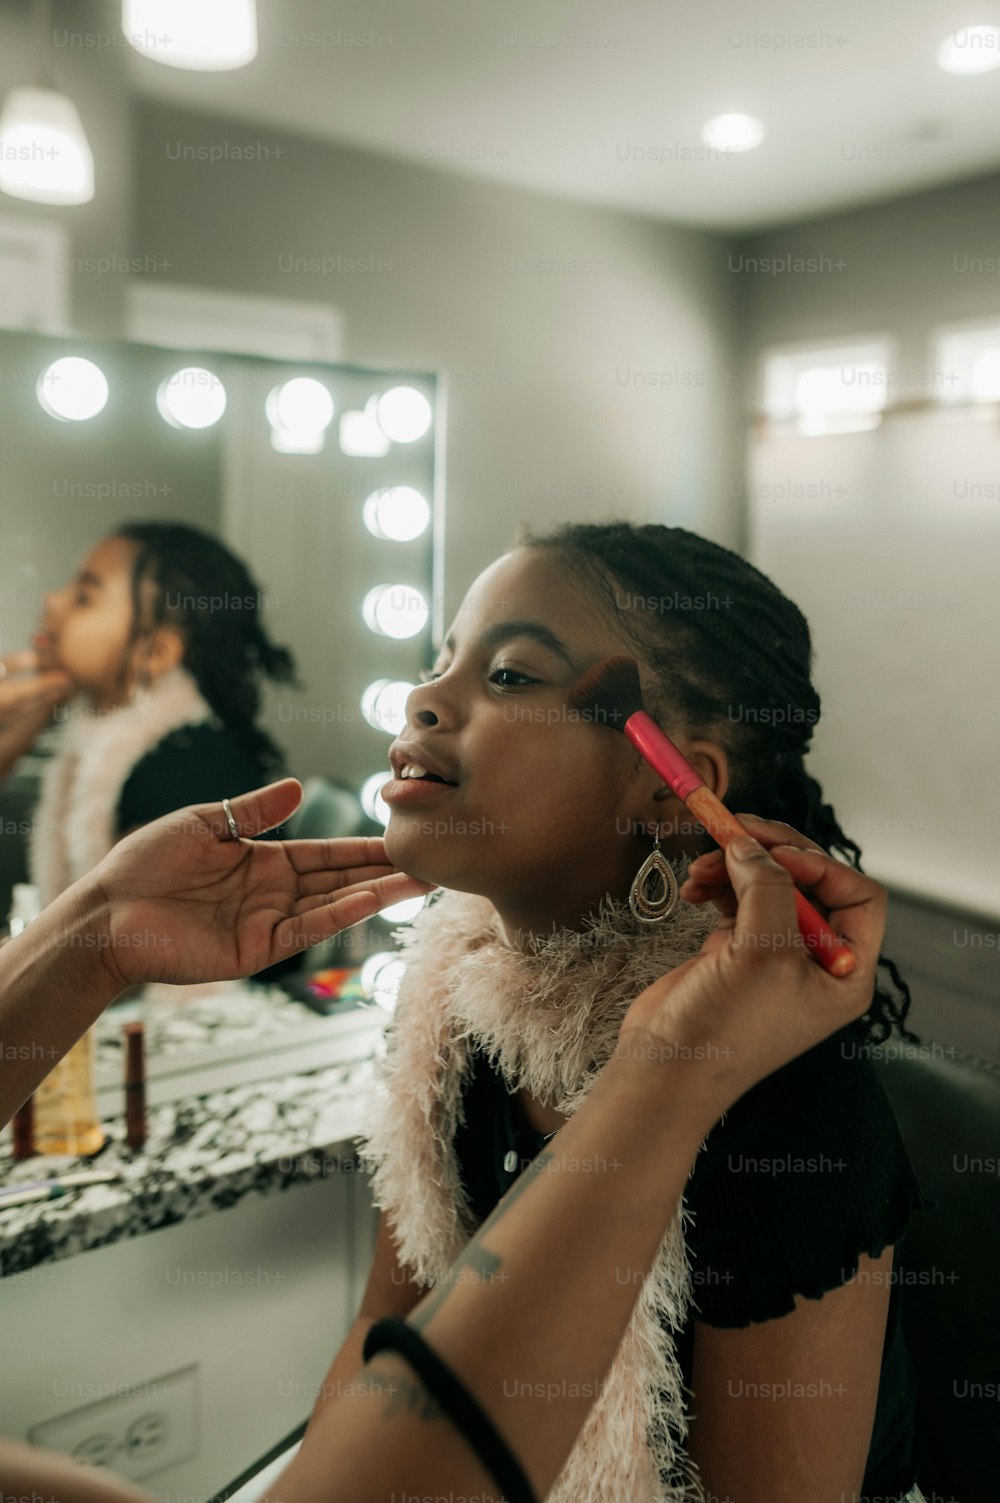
column 834, row 389
column 971, row 356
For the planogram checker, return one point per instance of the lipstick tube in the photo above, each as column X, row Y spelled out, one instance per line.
column 135, row 1085
column 822, row 941
column 22, row 1129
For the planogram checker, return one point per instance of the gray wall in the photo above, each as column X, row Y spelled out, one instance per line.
column 911, row 264
column 95, row 79
column 608, row 388
column 908, row 264
column 546, row 416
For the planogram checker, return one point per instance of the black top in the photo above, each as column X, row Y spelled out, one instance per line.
column 806, row 1172
column 196, row 764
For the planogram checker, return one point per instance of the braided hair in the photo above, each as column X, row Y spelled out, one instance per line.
column 186, row 578
column 725, row 649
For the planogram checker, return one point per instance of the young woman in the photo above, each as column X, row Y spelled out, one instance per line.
column 765, row 1358
column 160, row 633
column 228, row 904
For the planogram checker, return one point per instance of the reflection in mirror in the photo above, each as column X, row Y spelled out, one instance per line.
column 235, row 560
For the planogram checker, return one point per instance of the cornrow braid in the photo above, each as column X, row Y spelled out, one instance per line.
column 726, row 650
column 186, row 578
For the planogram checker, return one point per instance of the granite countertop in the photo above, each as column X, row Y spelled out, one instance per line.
column 203, row 1154
column 187, row 1023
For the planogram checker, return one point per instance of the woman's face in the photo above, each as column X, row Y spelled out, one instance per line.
column 551, row 810
column 86, row 626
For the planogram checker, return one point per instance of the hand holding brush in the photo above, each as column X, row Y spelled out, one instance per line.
column 610, row 693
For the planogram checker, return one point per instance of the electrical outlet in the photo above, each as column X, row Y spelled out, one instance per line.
column 136, row 1431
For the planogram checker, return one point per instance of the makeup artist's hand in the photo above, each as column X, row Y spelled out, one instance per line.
column 28, row 695
column 25, row 685
column 181, row 901
column 753, row 998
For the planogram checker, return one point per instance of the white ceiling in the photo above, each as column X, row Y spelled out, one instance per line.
column 557, row 95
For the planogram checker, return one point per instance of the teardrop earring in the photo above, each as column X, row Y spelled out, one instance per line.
column 654, row 892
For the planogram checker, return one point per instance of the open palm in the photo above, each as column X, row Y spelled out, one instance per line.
column 184, row 902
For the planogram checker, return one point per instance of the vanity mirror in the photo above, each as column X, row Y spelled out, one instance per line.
column 323, row 479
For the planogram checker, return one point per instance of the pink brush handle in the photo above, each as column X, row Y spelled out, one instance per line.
column 823, row 942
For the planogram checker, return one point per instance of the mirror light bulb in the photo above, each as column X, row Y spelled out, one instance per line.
column 404, row 414
column 191, row 398
column 73, row 389
column 397, row 513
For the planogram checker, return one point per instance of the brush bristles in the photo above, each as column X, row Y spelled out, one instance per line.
column 609, row 692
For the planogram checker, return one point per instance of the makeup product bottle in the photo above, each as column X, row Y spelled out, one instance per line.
column 22, row 1128
column 66, row 1119
column 135, row 1085
column 24, row 907
column 62, row 1115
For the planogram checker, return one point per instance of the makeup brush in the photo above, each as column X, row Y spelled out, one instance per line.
column 610, row 694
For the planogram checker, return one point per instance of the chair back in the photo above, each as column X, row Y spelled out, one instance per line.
column 947, row 1104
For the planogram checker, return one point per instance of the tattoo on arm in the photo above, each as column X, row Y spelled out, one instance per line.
column 474, row 1265
column 402, row 1394
column 477, row 1263
column 517, row 1189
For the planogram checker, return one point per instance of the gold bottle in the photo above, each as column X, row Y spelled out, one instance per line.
column 65, row 1116
column 66, row 1119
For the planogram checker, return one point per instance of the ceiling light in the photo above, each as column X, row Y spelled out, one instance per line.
column 974, row 49
column 206, row 37
column 44, row 152
column 732, row 132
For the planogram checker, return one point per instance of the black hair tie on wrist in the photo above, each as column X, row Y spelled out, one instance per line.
column 457, row 1402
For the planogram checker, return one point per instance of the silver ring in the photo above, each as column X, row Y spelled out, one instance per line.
column 230, row 821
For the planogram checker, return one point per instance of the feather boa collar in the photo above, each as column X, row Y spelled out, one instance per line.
column 548, row 1017
column 73, row 828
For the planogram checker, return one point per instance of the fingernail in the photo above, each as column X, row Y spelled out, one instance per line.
column 744, row 847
